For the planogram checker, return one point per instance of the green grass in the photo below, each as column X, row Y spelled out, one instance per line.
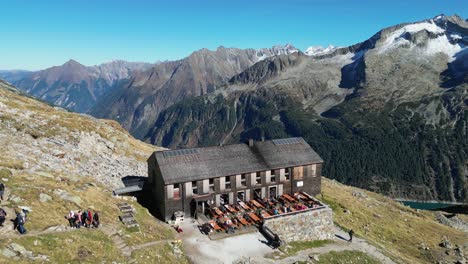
column 161, row 253
column 398, row 231
column 80, row 246
column 5, row 173
column 149, row 229
column 346, row 257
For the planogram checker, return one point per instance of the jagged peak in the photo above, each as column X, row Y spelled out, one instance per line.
column 72, row 62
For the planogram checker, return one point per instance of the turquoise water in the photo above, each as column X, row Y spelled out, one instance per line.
column 427, row 206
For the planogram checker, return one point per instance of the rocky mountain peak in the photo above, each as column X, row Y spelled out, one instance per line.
column 72, row 63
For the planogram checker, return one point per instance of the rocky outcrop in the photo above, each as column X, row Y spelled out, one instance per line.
column 17, row 251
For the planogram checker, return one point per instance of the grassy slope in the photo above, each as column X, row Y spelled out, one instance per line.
column 80, row 246
column 399, row 230
column 49, row 122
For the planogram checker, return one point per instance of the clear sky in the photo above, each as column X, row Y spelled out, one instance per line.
column 36, row 34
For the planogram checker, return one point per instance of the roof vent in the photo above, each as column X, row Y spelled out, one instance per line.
column 180, row 152
column 286, row 141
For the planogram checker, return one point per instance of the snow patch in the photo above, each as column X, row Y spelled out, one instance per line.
column 456, row 36
column 396, row 38
column 263, row 54
column 442, row 44
column 319, row 50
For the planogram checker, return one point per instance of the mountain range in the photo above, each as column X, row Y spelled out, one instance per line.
column 73, row 85
column 388, row 114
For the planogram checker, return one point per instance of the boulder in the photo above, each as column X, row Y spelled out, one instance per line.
column 445, row 243
column 45, row 174
column 59, row 228
column 44, row 198
column 64, row 195
column 20, row 250
column 8, row 253
column 15, row 199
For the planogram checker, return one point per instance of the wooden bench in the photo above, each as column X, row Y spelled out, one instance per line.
column 215, row 226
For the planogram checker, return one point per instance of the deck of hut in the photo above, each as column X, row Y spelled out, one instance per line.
column 245, row 217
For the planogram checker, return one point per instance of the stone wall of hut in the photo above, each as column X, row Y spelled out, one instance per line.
column 312, row 225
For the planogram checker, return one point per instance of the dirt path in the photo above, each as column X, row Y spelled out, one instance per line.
column 340, row 244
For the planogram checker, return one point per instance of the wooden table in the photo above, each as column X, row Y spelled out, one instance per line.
column 217, row 211
column 254, row 217
column 265, row 214
column 230, row 209
column 215, row 226
column 289, row 198
column 257, row 204
column 243, row 205
column 242, row 220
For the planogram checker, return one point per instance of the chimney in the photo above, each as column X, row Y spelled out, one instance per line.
column 251, row 142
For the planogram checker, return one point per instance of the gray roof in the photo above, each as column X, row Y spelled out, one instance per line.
column 186, row 165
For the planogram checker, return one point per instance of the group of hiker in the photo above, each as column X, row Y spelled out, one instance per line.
column 86, row 219
column 18, row 222
column 21, row 216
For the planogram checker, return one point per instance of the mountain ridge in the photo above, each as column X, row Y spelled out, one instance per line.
column 387, row 98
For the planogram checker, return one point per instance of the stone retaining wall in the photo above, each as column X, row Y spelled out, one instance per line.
column 310, row 225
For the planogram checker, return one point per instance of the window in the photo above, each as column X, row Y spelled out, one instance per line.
column 194, row 187
column 243, row 180
column 314, row 170
column 241, row 196
column 258, row 178
column 228, row 182
column 176, row 191
column 298, row 173
column 224, row 198
column 273, row 176
column 286, row 174
column 211, row 185
column 273, row 191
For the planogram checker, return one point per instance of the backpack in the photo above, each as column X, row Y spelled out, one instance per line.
column 20, row 219
column 2, row 187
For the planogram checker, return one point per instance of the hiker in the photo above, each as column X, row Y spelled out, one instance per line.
column 78, row 219
column 275, row 212
column 89, row 218
column 2, row 190
column 84, row 218
column 3, row 215
column 350, row 233
column 71, row 218
column 20, row 220
column 24, row 213
column 96, row 220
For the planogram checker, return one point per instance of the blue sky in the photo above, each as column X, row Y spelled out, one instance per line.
column 38, row 34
